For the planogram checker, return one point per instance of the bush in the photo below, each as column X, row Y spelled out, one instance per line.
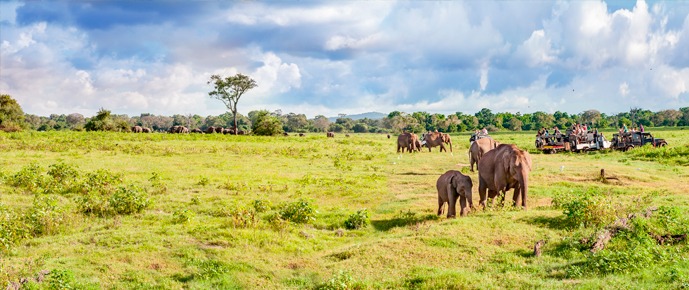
column 357, row 220
column 128, row 200
column 299, row 212
column 29, row 177
column 588, row 209
column 182, row 216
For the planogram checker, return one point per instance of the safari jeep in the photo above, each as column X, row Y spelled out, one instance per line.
column 629, row 140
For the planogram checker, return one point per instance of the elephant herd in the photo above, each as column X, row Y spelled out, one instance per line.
column 139, row 129
column 501, row 167
column 411, row 141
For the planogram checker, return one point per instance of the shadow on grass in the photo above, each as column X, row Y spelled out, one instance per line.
column 401, row 221
column 416, row 173
column 555, row 223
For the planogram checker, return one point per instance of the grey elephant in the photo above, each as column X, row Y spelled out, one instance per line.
column 146, row 130
column 479, row 148
column 197, row 130
column 437, row 139
column 501, row 169
column 454, row 185
column 330, row 134
column 137, row 129
column 408, row 141
column 210, row 130
column 219, row 129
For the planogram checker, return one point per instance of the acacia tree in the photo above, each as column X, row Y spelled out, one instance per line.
column 229, row 90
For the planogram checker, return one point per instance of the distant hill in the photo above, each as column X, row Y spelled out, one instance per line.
column 370, row 115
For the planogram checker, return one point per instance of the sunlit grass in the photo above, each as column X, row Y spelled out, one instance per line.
column 216, row 214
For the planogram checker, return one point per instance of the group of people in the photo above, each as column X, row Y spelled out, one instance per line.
column 624, row 130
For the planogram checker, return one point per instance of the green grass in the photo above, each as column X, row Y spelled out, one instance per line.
column 247, row 212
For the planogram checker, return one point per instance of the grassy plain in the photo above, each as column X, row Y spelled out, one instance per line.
column 216, row 215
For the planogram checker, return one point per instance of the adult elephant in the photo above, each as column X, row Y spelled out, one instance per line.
column 228, row 131
column 197, row 130
column 210, row 130
column 479, row 148
column 436, row 139
column 174, row 129
column 219, row 129
column 453, row 185
column 501, row 169
column 146, row 130
column 331, row 134
column 409, row 141
column 137, row 129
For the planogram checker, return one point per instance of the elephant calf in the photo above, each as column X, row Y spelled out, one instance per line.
column 453, row 185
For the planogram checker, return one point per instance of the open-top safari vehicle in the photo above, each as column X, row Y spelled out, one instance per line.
column 571, row 142
column 629, row 140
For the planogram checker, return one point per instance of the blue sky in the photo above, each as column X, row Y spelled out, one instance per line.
column 331, row 57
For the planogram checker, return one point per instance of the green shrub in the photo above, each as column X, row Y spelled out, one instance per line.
column 243, row 217
column 300, row 212
column 182, row 216
column 45, row 217
column 29, row 177
column 357, row 220
column 128, row 200
column 591, row 208
column 203, row 181
column 260, row 205
column 157, row 184
column 62, row 179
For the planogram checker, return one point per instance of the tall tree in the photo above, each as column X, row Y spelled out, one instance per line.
column 229, row 90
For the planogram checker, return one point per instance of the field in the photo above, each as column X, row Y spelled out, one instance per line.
column 142, row 211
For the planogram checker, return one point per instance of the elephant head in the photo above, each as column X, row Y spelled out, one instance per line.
column 453, row 186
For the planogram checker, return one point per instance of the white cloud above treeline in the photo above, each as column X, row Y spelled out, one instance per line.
column 346, row 56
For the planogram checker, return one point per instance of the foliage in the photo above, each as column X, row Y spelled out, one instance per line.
column 105, row 121
column 182, row 216
column 300, row 212
column 589, row 208
column 357, row 220
column 11, row 114
column 265, row 124
column 230, row 89
column 341, row 280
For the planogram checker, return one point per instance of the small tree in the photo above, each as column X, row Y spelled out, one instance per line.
column 229, row 90
column 11, row 114
column 265, row 124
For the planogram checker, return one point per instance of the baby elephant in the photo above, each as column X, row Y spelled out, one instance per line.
column 453, row 185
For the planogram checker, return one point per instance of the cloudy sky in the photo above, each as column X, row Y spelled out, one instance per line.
column 331, row 57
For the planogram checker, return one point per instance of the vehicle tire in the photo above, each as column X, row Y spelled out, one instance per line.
column 630, row 147
column 663, row 144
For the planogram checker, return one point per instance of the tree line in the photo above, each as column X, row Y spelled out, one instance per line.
column 263, row 122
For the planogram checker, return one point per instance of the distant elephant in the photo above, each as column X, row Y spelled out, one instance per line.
column 242, row 132
column 219, row 129
column 173, row 129
column 454, row 185
column 480, row 147
column 409, row 141
column 196, row 130
column 388, row 136
column 178, row 129
column 447, row 140
column 183, row 129
column 137, row 129
column 347, row 135
column 436, row 139
column 301, row 135
column 331, row 134
column 147, row 130
column 501, row 169
column 285, row 134
column 210, row 130
column 228, row 131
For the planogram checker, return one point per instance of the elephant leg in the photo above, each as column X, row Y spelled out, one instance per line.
column 440, row 206
column 463, row 203
column 492, row 194
column 442, row 148
column 516, row 196
column 451, row 208
column 482, row 194
column 472, row 164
